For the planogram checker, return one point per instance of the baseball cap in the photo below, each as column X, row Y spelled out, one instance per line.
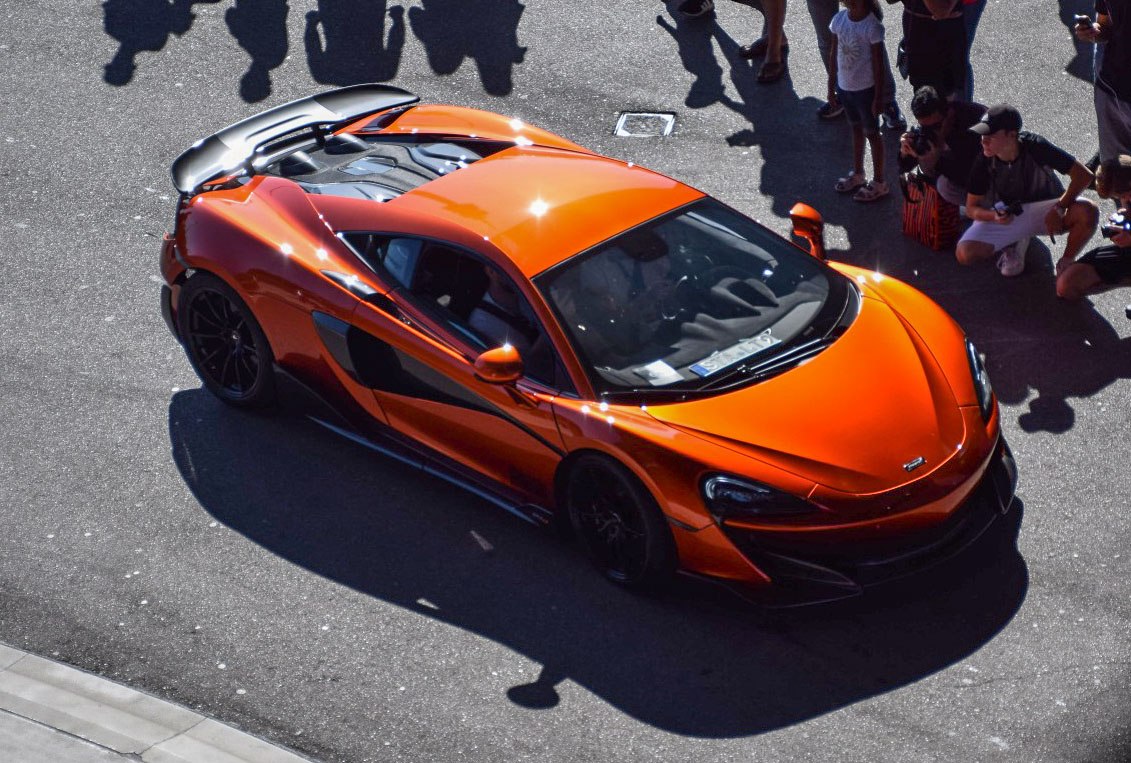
column 999, row 117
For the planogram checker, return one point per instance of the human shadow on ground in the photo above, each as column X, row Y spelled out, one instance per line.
column 486, row 31
column 1080, row 66
column 260, row 28
column 347, row 43
column 1032, row 339
column 142, row 25
column 691, row 662
column 802, row 157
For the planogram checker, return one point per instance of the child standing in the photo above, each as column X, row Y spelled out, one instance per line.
column 855, row 77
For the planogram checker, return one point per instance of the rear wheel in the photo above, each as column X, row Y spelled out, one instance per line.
column 619, row 524
column 225, row 344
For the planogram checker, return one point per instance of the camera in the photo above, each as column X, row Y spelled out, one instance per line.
column 1116, row 224
column 1082, row 21
column 922, row 140
column 1004, row 209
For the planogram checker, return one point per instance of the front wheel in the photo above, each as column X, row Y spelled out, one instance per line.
column 619, row 524
column 225, row 344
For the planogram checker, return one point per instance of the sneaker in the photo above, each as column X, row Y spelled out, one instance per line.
column 828, row 111
column 693, row 9
column 1011, row 262
column 891, row 119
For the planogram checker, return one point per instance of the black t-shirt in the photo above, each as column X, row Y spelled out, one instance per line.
column 1114, row 75
column 962, row 146
column 1027, row 178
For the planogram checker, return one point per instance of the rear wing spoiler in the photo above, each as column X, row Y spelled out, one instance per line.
column 235, row 146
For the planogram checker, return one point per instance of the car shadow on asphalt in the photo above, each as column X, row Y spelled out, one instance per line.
column 693, row 661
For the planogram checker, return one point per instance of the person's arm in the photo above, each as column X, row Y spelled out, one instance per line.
column 975, row 210
column 1079, row 178
column 878, row 78
column 1099, row 31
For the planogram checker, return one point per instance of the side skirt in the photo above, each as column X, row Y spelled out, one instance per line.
column 379, row 438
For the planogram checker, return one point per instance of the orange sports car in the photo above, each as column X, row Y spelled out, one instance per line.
column 583, row 342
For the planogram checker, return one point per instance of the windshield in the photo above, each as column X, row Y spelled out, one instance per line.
column 681, row 302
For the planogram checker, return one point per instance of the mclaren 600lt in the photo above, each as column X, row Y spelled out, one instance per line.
column 583, row 342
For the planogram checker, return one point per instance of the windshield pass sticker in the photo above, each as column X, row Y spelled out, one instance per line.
column 731, row 355
column 658, row 373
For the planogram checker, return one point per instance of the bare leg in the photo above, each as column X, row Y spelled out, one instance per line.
column 1077, row 280
column 775, row 28
column 970, row 252
column 1081, row 220
column 876, row 143
column 858, row 150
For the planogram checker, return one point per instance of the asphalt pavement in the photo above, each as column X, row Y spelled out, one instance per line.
column 259, row 572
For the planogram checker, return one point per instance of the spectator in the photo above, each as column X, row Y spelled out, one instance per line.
column 971, row 15
column 856, row 81
column 1113, row 180
column 934, row 37
column 945, row 127
column 1112, row 30
column 770, row 44
column 1109, row 266
column 1013, row 194
column 822, row 12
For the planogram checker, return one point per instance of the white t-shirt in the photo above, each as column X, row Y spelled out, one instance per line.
column 854, row 41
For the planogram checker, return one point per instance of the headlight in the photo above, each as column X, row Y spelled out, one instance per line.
column 733, row 497
column 981, row 381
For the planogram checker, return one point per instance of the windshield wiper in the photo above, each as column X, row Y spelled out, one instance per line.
column 783, row 361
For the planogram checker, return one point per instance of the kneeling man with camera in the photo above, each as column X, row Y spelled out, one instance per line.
column 1109, row 266
column 1014, row 194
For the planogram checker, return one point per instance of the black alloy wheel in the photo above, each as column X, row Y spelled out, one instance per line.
column 225, row 344
column 619, row 524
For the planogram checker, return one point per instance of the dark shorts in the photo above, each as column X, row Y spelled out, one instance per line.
column 1112, row 263
column 858, row 108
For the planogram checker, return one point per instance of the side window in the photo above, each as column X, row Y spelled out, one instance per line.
column 472, row 299
column 400, row 258
column 393, row 258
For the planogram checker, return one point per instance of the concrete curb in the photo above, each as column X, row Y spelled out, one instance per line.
column 121, row 719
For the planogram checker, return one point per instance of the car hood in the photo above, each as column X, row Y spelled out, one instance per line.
column 852, row 418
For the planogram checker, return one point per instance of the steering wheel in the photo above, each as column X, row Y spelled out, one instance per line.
column 679, row 299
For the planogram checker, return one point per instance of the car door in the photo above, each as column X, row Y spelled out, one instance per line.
column 426, row 382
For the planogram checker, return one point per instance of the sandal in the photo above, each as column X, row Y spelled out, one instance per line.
column 871, row 191
column 850, row 182
column 758, row 48
column 771, row 71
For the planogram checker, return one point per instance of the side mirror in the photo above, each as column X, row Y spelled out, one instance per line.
column 807, row 224
column 502, row 365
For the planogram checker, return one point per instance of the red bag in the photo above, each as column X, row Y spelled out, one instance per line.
column 927, row 217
